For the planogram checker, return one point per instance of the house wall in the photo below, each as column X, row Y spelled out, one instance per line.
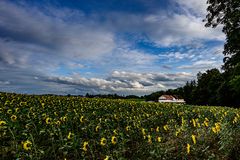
column 171, row 101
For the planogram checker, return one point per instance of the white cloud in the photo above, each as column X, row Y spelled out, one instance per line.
column 175, row 56
column 202, row 65
column 196, row 6
column 55, row 33
column 4, row 82
column 123, row 82
column 165, row 28
column 35, row 44
column 180, row 29
column 135, row 57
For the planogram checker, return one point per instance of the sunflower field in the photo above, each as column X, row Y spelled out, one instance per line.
column 61, row 127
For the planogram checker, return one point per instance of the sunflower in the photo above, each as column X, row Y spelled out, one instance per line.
column 85, row 146
column 13, row 118
column 149, row 139
column 58, row 123
column 70, row 135
column 107, row 158
column 16, row 109
column 81, row 119
column 103, row 141
column 48, row 120
column 217, row 128
column 2, row 123
column 165, row 127
column 177, row 132
column 143, row 131
column 235, row 120
column 188, row 148
column 194, row 122
column 9, row 111
column 194, row 139
column 114, row 140
column 44, row 115
column 183, row 121
column 27, row 145
column 206, row 122
column 115, row 116
column 115, row 131
column 97, row 128
column 159, row 139
column 64, row 118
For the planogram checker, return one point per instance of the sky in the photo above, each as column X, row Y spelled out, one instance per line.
column 104, row 47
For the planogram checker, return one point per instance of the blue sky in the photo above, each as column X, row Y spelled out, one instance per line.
column 111, row 46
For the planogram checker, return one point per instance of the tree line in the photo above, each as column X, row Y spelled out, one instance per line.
column 210, row 88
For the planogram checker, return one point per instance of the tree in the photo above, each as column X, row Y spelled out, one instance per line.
column 207, row 87
column 189, row 92
column 227, row 13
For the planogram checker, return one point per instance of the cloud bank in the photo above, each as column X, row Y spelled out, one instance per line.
column 52, row 49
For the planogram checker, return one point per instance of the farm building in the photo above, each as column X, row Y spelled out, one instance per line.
column 170, row 99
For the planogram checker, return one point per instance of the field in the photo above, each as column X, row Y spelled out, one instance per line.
column 57, row 127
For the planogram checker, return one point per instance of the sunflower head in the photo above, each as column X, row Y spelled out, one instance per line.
column 63, row 119
column 114, row 139
column 103, row 141
column 70, row 135
column 44, row 115
column 165, row 127
column 48, row 120
column 58, row 122
column 143, row 131
column 2, row 123
column 81, row 119
column 106, row 158
column 16, row 109
column 97, row 128
column 9, row 111
column 13, row 118
column 188, row 148
column 85, row 144
column 27, row 145
column 149, row 139
column 194, row 139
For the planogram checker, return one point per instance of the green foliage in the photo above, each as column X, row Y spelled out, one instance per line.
column 235, row 82
column 212, row 88
column 227, row 13
column 59, row 127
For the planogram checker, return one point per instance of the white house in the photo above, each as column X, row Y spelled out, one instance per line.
column 170, row 99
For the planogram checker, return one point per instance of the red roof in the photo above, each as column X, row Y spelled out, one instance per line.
column 168, row 97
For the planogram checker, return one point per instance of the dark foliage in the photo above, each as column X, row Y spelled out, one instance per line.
column 211, row 88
